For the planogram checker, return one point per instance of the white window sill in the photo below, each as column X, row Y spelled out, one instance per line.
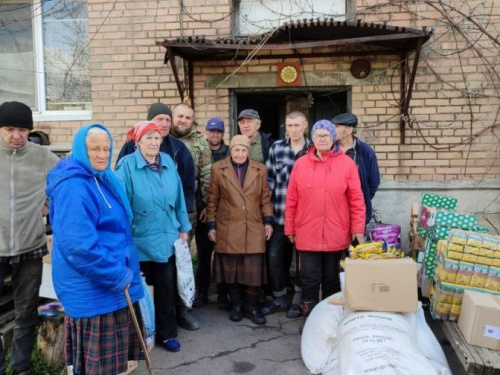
column 62, row 116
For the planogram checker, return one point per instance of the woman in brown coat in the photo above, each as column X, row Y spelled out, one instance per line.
column 240, row 220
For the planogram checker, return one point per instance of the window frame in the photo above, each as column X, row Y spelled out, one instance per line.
column 41, row 114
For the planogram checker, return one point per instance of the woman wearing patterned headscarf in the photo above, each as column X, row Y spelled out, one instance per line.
column 94, row 258
column 324, row 210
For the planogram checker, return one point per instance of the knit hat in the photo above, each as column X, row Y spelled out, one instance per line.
column 240, row 140
column 156, row 109
column 16, row 114
column 140, row 129
column 327, row 125
column 347, row 119
column 215, row 123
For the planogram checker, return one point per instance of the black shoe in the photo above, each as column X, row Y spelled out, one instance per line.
column 223, row 302
column 272, row 307
column 255, row 316
column 236, row 314
column 294, row 312
column 200, row 300
column 186, row 320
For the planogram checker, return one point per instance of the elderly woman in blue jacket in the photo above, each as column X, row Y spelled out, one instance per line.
column 154, row 190
column 94, row 258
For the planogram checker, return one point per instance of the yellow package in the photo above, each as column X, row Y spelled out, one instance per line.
column 464, row 273
column 454, row 312
column 441, row 247
column 474, row 239
column 485, row 252
column 457, row 299
column 479, row 276
column 493, row 279
column 489, row 242
column 495, row 262
column 455, row 247
column 471, row 250
column 443, row 308
column 497, row 254
column 471, row 258
column 454, row 255
column 458, row 236
column 484, row 260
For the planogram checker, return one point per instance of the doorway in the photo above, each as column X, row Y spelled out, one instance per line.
column 274, row 105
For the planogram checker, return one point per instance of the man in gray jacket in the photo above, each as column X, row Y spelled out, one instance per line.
column 23, row 174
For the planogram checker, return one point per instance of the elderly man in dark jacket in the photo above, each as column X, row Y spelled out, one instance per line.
column 362, row 154
column 161, row 114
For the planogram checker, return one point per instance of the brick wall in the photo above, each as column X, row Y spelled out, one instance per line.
column 455, row 94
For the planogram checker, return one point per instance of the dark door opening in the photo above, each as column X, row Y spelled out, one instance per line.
column 273, row 106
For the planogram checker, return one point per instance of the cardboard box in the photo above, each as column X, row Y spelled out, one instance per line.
column 479, row 319
column 381, row 285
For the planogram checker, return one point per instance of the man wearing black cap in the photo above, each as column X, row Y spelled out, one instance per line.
column 161, row 114
column 249, row 124
column 23, row 174
column 362, row 154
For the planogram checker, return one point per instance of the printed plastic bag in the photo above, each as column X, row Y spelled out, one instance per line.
column 185, row 275
column 147, row 310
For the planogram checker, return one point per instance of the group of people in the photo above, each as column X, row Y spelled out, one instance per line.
column 251, row 205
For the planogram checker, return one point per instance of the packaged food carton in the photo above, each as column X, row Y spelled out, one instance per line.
column 479, row 319
column 381, row 285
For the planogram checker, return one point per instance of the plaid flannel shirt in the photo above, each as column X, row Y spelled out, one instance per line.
column 279, row 167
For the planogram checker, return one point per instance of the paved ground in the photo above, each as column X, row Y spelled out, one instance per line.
column 223, row 347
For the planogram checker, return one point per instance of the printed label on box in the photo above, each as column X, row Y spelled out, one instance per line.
column 492, row 332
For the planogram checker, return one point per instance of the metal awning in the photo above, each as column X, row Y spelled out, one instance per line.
column 299, row 39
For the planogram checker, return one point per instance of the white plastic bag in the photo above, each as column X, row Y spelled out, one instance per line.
column 147, row 307
column 185, row 275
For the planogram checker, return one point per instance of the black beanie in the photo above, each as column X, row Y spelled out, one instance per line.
column 158, row 109
column 16, row 114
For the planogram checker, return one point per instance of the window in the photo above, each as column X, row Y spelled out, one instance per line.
column 44, row 57
column 259, row 16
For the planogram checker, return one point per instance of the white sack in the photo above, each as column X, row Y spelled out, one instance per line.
column 320, row 334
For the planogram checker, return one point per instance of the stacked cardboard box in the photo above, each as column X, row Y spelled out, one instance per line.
column 465, row 261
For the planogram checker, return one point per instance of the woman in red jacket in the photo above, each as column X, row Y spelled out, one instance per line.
column 324, row 210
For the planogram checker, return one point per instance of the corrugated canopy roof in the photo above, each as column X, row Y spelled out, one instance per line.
column 300, row 34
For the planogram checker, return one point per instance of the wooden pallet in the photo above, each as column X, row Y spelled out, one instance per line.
column 476, row 360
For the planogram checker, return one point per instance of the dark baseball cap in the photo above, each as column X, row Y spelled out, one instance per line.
column 347, row 119
column 215, row 123
column 249, row 113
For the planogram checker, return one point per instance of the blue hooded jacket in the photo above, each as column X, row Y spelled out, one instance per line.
column 93, row 256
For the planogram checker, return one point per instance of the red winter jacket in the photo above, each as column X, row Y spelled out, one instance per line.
column 324, row 202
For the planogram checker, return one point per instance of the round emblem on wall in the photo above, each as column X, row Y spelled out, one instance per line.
column 289, row 74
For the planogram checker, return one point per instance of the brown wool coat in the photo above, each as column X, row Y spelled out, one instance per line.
column 237, row 211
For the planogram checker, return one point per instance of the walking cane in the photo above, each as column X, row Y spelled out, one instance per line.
column 139, row 333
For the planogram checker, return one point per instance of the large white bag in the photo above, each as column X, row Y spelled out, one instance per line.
column 185, row 275
column 320, row 333
column 380, row 343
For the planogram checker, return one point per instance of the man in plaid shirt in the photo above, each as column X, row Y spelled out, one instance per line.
column 282, row 156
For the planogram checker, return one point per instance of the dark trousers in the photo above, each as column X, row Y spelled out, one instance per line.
column 319, row 269
column 205, row 249
column 26, row 280
column 163, row 277
column 279, row 259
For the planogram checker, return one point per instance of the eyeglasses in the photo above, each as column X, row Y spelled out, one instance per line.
column 322, row 136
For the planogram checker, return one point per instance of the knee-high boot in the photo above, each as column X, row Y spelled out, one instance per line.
column 251, row 302
column 236, row 297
